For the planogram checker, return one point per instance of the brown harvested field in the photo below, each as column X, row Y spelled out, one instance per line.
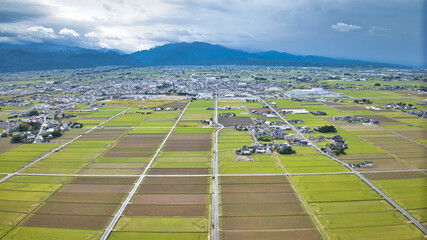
column 394, row 175
column 303, row 234
column 412, row 93
column 417, row 162
column 384, row 120
column 87, row 197
column 127, row 155
column 104, row 180
column 253, row 179
column 363, row 156
column 176, row 180
column 381, row 164
column 258, row 198
column 142, row 138
column 180, row 105
column 121, row 149
column 342, row 124
column 170, row 199
column 183, row 159
column 165, row 210
column 262, row 209
column 183, row 142
column 181, row 136
column 79, row 208
column 275, row 187
column 102, row 134
column 178, row 171
column 6, row 145
column 96, row 188
column 136, row 144
column 117, row 165
column 186, row 188
column 356, row 128
column 189, row 146
column 413, row 134
column 343, row 107
column 233, row 121
column 67, row 221
column 266, row 223
column 112, row 171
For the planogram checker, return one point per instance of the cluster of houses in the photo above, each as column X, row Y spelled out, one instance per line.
column 228, row 114
column 336, row 146
column 269, row 132
column 422, row 113
column 295, row 121
column 399, row 106
column 266, row 113
column 364, row 164
column 356, row 119
column 263, row 121
column 260, row 148
column 304, row 129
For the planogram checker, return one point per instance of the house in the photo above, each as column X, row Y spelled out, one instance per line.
column 366, row 164
column 245, row 150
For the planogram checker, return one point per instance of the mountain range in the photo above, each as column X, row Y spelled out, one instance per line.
column 47, row 56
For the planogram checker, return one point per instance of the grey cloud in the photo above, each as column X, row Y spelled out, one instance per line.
column 12, row 11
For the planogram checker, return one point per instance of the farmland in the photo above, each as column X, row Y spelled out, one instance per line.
column 169, row 167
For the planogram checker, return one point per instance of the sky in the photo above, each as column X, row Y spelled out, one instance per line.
column 390, row 31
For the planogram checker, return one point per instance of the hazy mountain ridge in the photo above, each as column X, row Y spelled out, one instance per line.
column 45, row 56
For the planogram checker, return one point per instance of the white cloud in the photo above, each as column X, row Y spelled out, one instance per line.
column 344, row 27
column 41, row 32
column 375, row 29
column 69, row 32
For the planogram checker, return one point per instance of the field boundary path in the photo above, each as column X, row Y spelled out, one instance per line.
column 370, row 184
column 9, row 175
column 138, row 182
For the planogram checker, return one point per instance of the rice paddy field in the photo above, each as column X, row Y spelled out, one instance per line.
column 145, row 174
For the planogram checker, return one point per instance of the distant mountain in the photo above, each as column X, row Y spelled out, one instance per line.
column 46, row 56
column 199, row 53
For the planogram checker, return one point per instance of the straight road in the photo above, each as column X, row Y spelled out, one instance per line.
column 215, row 185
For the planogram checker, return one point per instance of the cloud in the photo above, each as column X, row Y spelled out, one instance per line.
column 41, row 32
column 344, row 27
column 376, row 29
column 289, row 25
column 68, row 32
column 15, row 11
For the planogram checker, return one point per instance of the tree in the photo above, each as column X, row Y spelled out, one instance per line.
column 35, row 126
column 327, row 129
column 16, row 139
column 264, row 138
column 377, row 84
column 57, row 133
column 287, row 150
column 33, row 113
column 24, row 127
